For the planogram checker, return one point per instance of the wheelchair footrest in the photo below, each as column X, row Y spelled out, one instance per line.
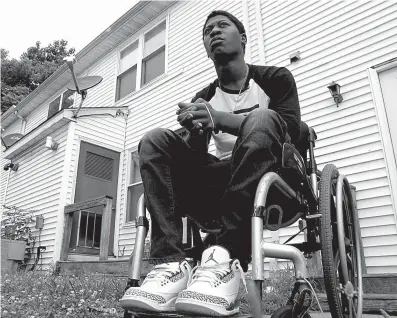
column 138, row 314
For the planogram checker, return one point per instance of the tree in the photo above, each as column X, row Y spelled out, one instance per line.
column 21, row 77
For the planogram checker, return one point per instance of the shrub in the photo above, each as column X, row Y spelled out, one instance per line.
column 16, row 225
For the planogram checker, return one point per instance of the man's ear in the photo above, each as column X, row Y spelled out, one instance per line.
column 244, row 38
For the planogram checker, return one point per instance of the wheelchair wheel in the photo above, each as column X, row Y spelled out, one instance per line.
column 340, row 246
column 286, row 312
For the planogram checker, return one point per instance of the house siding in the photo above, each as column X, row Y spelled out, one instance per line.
column 37, row 186
column 331, row 38
column 189, row 70
column 339, row 41
column 102, row 95
column 102, row 131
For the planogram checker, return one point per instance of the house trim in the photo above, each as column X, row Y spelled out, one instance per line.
column 140, row 38
column 119, row 182
column 89, row 54
column 129, row 152
column 384, row 131
column 259, row 29
column 63, row 192
column 246, row 22
column 39, row 133
column 54, row 123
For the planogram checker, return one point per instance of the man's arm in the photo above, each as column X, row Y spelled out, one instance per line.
column 279, row 84
column 229, row 123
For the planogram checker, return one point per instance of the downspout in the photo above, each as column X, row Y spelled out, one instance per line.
column 5, row 192
column 259, row 29
column 116, row 246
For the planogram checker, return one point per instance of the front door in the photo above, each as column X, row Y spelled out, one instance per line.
column 97, row 175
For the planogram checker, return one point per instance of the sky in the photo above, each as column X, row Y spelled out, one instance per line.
column 23, row 22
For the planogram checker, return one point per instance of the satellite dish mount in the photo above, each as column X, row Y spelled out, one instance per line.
column 81, row 84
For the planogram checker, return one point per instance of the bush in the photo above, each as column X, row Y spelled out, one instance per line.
column 16, row 225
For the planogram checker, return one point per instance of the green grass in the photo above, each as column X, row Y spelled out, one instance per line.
column 37, row 294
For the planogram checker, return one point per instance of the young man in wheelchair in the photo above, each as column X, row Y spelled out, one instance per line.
column 250, row 111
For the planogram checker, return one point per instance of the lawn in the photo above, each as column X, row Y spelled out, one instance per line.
column 45, row 294
column 37, row 294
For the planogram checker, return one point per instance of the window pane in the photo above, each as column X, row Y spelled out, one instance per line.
column 134, row 193
column 68, row 99
column 126, row 83
column 128, row 57
column 54, row 106
column 153, row 66
column 154, row 39
column 135, row 172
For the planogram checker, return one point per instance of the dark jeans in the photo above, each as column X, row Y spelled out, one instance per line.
column 177, row 182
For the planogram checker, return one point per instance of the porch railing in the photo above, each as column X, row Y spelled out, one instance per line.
column 104, row 201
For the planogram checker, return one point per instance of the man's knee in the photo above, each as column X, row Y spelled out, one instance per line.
column 262, row 115
column 263, row 120
column 156, row 136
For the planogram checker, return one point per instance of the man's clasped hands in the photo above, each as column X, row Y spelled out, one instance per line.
column 197, row 117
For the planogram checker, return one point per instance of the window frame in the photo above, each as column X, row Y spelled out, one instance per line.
column 139, row 75
column 60, row 102
column 131, row 164
column 128, row 182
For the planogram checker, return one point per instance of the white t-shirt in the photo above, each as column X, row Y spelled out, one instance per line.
column 251, row 98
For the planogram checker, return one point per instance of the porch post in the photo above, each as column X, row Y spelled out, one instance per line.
column 67, row 232
column 105, row 229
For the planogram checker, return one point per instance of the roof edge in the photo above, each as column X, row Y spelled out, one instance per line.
column 102, row 36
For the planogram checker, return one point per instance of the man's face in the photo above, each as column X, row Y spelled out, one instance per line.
column 221, row 37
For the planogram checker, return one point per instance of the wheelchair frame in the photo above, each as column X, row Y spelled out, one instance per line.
column 260, row 249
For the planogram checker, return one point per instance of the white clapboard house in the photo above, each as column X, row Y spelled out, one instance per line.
column 153, row 57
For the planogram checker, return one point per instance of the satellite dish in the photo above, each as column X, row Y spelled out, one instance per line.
column 11, row 139
column 84, row 83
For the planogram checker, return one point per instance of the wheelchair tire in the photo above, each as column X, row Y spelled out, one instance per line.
column 286, row 312
column 331, row 256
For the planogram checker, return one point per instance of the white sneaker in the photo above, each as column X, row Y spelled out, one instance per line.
column 213, row 289
column 160, row 288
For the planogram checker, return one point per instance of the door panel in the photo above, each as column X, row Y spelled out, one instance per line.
column 97, row 175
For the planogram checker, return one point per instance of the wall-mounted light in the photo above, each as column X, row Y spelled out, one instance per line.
column 334, row 89
column 12, row 166
column 51, row 144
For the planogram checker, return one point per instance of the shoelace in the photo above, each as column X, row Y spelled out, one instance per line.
column 161, row 272
column 212, row 273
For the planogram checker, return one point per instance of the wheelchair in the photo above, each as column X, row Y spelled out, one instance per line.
column 323, row 203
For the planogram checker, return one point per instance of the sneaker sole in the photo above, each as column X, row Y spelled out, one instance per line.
column 196, row 307
column 146, row 305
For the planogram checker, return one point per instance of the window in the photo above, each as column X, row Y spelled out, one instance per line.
column 135, row 188
column 153, row 63
column 126, row 81
column 65, row 100
column 142, row 61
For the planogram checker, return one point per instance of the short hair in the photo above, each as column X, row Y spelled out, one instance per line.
column 236, row 22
